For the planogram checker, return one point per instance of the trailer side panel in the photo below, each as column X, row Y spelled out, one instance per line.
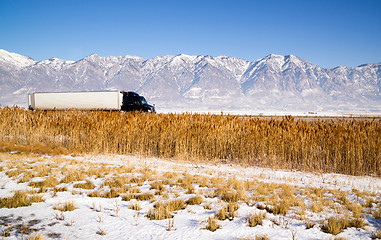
column 108, row 100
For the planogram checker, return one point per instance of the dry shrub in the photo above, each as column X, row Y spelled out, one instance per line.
column 73, row 176
column 235, row 184
column 357, row 222
column 268, row 208
column 14, row 173
column 227, row 212
column 19, row 199
column 346, row 146
column 137, row 180
column 170, row 177
column 176, row 204
column 171, row 205
column 318, row 192
column 234, row 196
column 26, row 177
column 196, row 200
column 369, row 203
column 212, row 224
column 66, row 206
column 188, row 186
column 335, row 225
column 202, row 181
column 222, row 214
column 144, row 196
column 135, row 205
column 356, row 210
column 256, row 219
column 281, row 208
column 94, row 194
column 309, row 224
column 159, row 213
column 48, row 182
column 128, row 197
column 288, row 195
column 210, row 193
column 250, row 184
column 221, row 191
column 41, row 170
column 36, row 198
column 147, row 172
column 36, row 236
column 163, row 210
column 217, row 182
column 344, row 201
column 134, row 190
column 158, row 185
column 101, row 231
column 377, row 214
column 262, row 237
column 114, row 183
column 87, row 185
column 60, row 189
column 113, row 193
column 265, row 188
column 208, row 206
column 316, row 207
column 125, row 169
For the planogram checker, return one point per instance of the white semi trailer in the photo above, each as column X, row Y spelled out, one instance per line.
column 101, row 100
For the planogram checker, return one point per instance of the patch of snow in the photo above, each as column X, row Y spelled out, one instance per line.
column 96, row 215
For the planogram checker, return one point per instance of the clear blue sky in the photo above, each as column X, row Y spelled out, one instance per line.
column 328, row 33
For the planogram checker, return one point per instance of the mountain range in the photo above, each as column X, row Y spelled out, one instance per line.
column 190, row 83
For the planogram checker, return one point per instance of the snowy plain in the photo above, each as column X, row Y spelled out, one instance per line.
column 112, row 218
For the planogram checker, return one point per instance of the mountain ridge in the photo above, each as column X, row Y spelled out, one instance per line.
column 281, row 83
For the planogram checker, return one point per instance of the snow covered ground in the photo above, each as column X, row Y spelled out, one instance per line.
column 98, row 214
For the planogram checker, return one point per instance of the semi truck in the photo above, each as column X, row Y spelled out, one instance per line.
column 101, row 100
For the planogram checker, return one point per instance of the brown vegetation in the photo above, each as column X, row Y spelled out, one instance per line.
column 19, row 199
column 66, row 206
column 343, row 146
column 212, row 224
column 256, row 219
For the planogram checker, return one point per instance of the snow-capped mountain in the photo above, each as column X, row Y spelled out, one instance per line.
column 275, row 82
column 14, row 60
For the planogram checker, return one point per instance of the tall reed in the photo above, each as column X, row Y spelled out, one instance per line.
column 342, row 146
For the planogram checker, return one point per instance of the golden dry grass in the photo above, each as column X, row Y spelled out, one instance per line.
column 171, row 205
column 135, row 205
column 335, row 225
column 343, row 146
column 227, row 212
column 196, row 200
column 159, row 213
column 256, row 219
column 36, row 236
column 66, row 206
column 19, row 199
column 87, row 185
column 144, row 196
column 212, row 224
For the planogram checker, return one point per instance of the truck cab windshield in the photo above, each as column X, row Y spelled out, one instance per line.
column 144, row 102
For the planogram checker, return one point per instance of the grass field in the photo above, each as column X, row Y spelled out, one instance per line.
column 94, row 174
column 347, row 146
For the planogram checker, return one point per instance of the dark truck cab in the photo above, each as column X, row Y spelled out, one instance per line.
column 134, row 102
